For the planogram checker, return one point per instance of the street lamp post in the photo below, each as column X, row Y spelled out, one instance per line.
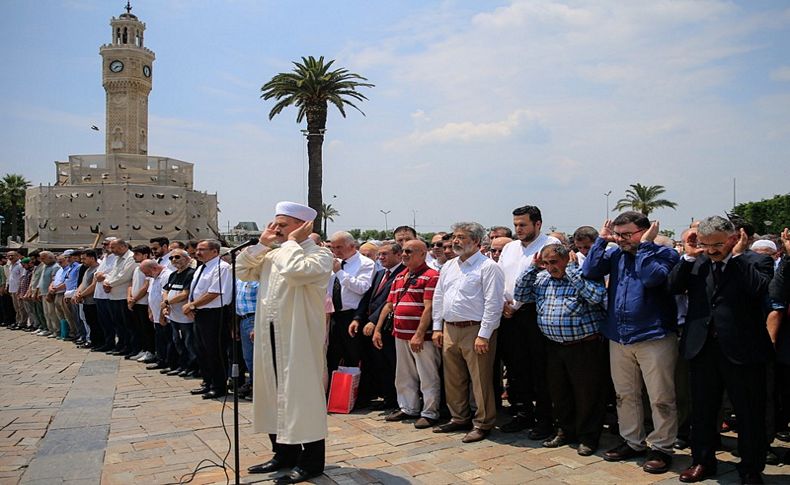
column 414, row 219
column 386, row 229
column 607, row 204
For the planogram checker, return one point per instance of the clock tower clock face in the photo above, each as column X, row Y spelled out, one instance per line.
column 116, row 66
column 147, row 71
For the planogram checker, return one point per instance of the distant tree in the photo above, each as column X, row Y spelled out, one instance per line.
column 12, row 202
column 767, row 216
column 328, row 213
column 668, row 233
column 311, row 86
column 644, row 199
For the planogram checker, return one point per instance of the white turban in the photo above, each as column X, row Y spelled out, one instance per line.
column 764, row 243
column 297, row 211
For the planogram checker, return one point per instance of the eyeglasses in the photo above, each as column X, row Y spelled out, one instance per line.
column 627, row 235
column 175, row 257
column 711, row 246
column 408, row 251
column 495, row 250
column 437, row 245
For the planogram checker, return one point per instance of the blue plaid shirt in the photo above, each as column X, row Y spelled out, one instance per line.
column 246, row 297
column 570, row 308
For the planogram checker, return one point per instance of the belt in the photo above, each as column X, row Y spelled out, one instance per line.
column 467, row 323
column 589, row 338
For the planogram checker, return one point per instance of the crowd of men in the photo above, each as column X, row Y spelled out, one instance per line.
column 683, row 339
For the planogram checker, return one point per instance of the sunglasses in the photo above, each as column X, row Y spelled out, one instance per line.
column 436, row 245
column 408, row 251
column 175, row 257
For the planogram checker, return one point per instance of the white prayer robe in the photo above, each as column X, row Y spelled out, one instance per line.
column 293, row 281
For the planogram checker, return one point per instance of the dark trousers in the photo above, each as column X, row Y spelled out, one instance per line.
column 7, row 313
column 165, row 350
column 104, row 314
column 184, row 343
column 782, row 396
column 385, row 362
column 144, row 328
column 308, row 456
column 343, row 348
column 711, row 373
column 119, row 313
column 525, row 361
column 211, row 337
column 575, row 374
column 92, row 319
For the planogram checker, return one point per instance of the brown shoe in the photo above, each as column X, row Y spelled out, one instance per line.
column 399, row 416
column 424, row 423
column 452, row 427
column 657, row 462
column 697, row 473
column 476, row 434
column 622, row 452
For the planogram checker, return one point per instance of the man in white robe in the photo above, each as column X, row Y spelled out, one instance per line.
column 289, row 360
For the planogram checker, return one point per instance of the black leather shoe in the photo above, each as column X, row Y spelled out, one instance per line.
column 297, row 475
column 783, row 436
column 165, row 370
column 556, row 442
column 452, row 427
column 751, row 478
column 680, row 444
column 540, row 432
column 213, row 394
column 399, row 416
column 200, row 390
column 270, row 466
column 518, row 423
column 622, row 452
column 175, row 371
column 586, row 450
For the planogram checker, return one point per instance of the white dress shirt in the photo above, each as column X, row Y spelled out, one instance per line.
column 119, row 277
column 155, row 293
column 138, row 280
column 213, row 277
column 470, row 290
column 15, row 274
column 355, row 279
column 516, row 258
column 105, row 265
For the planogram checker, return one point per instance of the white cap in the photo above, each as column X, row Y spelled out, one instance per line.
column 298, row 211
column 68, row 252
column 110, row 238
column 764, row 243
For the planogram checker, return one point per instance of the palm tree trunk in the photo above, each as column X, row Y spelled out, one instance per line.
column 316, row 125
column 14, row 217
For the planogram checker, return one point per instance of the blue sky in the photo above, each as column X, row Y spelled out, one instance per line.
column 479, row 107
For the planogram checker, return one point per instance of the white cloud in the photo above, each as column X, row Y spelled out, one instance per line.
column 781, row 74
column 468, row 131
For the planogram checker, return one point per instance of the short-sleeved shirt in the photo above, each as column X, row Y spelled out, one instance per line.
column 46, row 277
column 176, row 283
column 213, row 277
column 410, row 305
column 138, row 281
column 87, row 280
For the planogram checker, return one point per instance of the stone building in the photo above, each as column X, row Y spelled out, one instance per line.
column 125, row 192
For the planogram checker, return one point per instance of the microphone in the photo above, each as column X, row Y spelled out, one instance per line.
column 251, row 242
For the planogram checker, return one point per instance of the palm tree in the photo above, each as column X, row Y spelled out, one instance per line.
column 644, row 199
column 311, row 86
column 328, row 213
column 12, row 197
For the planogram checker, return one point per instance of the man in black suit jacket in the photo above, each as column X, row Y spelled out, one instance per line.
column 726, row 343
column 378, row 366
column 779, row 329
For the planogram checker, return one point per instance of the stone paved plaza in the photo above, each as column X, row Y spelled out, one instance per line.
column 72, row 416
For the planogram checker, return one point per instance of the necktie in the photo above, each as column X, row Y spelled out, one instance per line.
column 383, row 281
column 337, row 298
column 195, row 280
column 717, row 271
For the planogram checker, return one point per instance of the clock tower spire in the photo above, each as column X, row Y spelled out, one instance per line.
column 126, row 77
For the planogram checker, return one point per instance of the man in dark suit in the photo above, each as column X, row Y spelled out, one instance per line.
column 378, row 366
column 779, row 330
column 726, row 343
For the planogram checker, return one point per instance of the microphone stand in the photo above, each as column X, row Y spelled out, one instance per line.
column 234, row 373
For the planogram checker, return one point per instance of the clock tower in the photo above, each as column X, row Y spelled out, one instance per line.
column 126, row 76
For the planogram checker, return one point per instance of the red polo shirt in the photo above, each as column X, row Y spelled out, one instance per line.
column 409, row 309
